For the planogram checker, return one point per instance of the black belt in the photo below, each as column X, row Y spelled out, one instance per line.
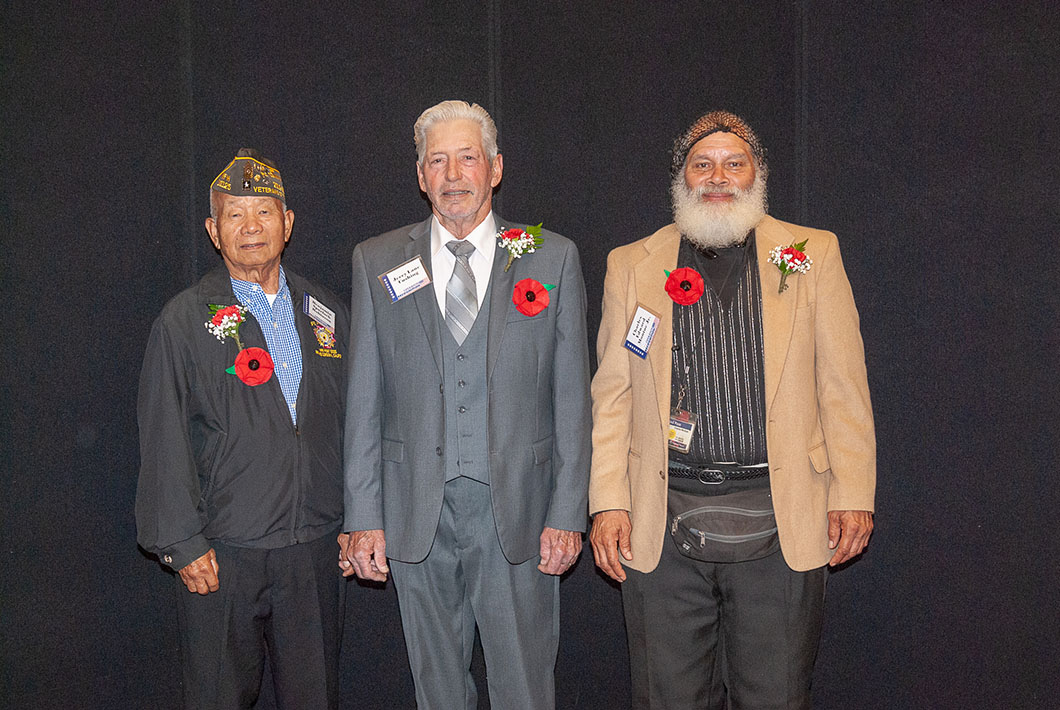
column 717, row 473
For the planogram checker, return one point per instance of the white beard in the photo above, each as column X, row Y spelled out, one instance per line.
column 717, row 225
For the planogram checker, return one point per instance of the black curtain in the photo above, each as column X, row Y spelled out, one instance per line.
column 924, row 134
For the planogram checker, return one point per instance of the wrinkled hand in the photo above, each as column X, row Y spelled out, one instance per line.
column 848, row 534
column 363, row 553
column 559, row 550
column 609, row 537
column 200, row 576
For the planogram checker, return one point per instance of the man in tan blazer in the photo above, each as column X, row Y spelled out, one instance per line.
column 720, row 374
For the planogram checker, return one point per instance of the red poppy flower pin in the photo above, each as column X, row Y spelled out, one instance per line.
column 254, row 366
column 531, row 296
column 684, row 285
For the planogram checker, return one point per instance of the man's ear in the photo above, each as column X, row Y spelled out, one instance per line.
column 498, row 170
column 288, row 220
column 211, row 229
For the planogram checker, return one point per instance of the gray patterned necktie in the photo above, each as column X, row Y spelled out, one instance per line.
column 461, row 303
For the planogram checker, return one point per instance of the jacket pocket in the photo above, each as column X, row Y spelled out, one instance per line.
column 212, row 458
column 393, row 450
column 819, row 458
column 803, row 313
column 515, row 317
column 542, row 450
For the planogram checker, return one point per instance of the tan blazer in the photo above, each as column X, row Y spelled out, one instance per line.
column 819, row 431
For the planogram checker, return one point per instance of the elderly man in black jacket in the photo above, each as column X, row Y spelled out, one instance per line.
column 241, row 412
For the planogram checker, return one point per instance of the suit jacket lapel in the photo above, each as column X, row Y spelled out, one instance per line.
column 500, row 294
column 778, row 309
column 425, row 299
column 650, row 278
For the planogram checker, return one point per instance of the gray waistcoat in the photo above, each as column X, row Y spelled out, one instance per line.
column 466, row 398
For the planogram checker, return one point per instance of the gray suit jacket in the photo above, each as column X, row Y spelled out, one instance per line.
column 539, row 409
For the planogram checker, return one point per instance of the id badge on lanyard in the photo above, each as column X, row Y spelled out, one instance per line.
column 682, row 421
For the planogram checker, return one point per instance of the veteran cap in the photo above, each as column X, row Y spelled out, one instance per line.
column 250, row 175
column 714, row 122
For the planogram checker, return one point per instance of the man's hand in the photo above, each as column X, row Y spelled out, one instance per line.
column 559, row 550
column 364, row 554
column 201, row 575
column 344, row 562
column 609, row 537
column 848, row 534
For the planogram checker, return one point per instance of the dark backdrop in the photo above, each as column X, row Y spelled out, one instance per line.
column 924, row 134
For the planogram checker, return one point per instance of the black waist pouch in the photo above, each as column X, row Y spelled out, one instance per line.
column 731, row 527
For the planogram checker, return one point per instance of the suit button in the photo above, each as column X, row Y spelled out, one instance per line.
column 460, row 357
column 662, row 475
column 461, row 409
column 438, row 450
column 168, row 559
column 461, row 383
column 441, row 389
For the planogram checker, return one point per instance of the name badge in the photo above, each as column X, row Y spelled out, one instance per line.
column 405, row 279
column 641, row 332
column 682, row 426
column 318, row 311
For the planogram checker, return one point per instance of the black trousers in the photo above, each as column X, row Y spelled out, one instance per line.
column 285, row 603
column 704, row 634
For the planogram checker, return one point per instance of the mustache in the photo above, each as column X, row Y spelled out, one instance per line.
column 715, row 190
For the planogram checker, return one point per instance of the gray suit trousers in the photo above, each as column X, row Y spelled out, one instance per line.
column 466, row 581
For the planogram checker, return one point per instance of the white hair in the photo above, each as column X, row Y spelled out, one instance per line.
column 717, row 225
column 455, row 111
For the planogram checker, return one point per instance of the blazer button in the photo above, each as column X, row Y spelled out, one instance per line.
column 461, row 409
column 438, row 450
column 460, row 357
column 662, row 475
column 168, row 559
column 441, row 389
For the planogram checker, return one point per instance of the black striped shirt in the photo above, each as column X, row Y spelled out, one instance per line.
column 717, row 358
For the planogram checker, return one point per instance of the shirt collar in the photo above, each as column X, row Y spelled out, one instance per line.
column 483, row 236
column 248, row 291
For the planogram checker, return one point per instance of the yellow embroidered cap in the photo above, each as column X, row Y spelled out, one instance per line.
column 250, row 175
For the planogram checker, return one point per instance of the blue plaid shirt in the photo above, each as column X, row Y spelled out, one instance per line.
column 281, row 337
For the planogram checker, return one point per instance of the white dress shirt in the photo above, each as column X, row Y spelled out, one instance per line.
column 484, row 237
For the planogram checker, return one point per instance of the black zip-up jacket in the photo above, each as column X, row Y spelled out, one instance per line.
column 221, row 460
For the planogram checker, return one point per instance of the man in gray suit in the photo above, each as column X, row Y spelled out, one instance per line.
column 468, row 425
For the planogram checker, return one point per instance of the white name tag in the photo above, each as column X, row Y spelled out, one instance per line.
column 405, row 279
column 318, row 311
column 641, row 332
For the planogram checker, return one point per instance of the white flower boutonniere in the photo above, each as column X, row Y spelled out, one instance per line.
column 226, row 321
column 790, row 260
column 519, row 241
